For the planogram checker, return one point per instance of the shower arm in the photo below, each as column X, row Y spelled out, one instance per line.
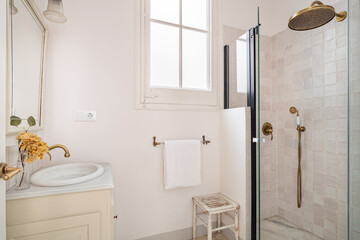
column 339, row 16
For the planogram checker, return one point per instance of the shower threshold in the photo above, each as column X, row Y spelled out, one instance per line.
column 277, row 228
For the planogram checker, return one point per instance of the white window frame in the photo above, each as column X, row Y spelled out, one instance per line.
column 147, row 97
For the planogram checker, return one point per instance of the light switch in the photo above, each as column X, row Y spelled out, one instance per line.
column 85, row 116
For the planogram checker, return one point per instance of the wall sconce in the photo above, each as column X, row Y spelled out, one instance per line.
column 12, row 8
column 55, row 11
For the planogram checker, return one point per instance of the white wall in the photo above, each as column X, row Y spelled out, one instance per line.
column 235, row 167
column 90, row 64
column 3, row 67
column 274, row 14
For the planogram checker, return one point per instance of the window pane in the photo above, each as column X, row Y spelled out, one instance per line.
column 165, row 10
column 241, row 65
column 195, row 13
column 164, row 55
column 195, row 60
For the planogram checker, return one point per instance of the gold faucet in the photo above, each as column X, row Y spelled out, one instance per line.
column 66, row 150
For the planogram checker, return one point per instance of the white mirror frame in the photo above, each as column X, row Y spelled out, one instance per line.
column 11, row 129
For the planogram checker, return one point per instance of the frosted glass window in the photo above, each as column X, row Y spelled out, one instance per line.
column 195, row 60
column 179, row 44
column 164, row 55
column 195, row 13
column 241, row 65
column 165, row 10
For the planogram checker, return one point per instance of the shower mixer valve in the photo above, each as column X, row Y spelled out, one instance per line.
column 267, row 130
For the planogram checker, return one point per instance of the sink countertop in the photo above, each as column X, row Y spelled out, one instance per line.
column 105, row 181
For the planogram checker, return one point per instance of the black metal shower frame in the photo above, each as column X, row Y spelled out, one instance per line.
column 251, row 102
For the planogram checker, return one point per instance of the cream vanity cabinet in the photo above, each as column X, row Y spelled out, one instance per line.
column 75, row 214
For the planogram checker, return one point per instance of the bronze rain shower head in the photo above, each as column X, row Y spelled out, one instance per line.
column 314, row 16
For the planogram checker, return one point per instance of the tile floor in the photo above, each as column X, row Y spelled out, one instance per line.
column 277, row 228
column 216, row 236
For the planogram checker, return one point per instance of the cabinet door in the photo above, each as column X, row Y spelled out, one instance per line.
column 82, row 227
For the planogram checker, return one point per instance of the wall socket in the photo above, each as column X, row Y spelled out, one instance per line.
column 85, row 116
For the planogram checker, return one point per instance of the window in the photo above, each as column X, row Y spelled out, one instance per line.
column 179, row 44
column 177, row 53
column 241, row 64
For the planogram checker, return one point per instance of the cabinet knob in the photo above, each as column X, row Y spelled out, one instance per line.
column 115, row 216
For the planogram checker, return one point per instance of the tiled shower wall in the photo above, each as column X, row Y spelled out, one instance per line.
column 354, row 119
column 309, row 72
column 268, row 177
column 268, row 164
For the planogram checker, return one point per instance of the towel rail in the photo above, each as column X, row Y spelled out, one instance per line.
column 204, row 141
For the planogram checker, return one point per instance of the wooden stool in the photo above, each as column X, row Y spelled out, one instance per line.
column 215, row 204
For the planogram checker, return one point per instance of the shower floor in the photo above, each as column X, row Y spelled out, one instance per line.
column 277, row 228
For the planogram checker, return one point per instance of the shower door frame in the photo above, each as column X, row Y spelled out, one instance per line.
column 251, row 103
column 252, row 94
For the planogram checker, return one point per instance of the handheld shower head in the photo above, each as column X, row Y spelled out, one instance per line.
column 293, row 110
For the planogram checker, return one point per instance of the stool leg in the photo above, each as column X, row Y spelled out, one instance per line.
column 237, row 224
column 219, row 221
column 194, row 221
column 209, row 228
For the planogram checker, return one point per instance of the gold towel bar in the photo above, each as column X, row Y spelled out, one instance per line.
column 204, row 141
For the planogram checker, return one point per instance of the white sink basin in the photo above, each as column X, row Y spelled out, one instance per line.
column 66, row 174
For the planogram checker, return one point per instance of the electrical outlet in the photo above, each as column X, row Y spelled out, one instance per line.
column 85, row 116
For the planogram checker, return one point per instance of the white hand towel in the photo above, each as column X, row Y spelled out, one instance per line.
column 182, row 163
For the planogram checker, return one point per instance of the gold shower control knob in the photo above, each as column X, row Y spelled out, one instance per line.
column 6, row 173
column 267, row 129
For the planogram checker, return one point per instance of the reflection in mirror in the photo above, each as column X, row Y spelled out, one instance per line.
column 27, row 38
column 237, row 66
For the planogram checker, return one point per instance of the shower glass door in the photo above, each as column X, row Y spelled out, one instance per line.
column 308, row 85
column 354, row 120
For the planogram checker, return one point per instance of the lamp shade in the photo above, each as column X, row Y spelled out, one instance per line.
column 55, row 11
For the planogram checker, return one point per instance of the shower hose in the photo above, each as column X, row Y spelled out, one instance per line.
column 299, row 195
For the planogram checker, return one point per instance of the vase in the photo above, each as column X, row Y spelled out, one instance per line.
column 22, row 178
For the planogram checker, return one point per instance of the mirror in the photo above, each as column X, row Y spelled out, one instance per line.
column 236, row 67
column 26, row 57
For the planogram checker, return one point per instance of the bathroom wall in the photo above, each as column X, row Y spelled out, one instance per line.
column 354, row 31
column 309, row 71
column 90, row 67
column 235, row 167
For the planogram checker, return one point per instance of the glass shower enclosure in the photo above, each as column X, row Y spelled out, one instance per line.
column 354, row 120
column 308, row 168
